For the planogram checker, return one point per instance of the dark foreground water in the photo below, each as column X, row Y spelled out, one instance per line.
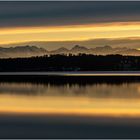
column 61, row 126
column 69, row 107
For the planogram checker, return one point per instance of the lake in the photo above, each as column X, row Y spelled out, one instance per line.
column 69, row 107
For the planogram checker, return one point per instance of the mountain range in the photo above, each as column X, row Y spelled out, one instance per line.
column 133, row 43
column 21, row 51
column 28, row 51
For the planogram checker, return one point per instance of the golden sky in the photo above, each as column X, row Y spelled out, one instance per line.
column 67, row 33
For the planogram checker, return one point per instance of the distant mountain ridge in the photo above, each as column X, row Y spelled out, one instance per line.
column 21, row 51
column 133, row 42
column 98, row 50
column 28, row 51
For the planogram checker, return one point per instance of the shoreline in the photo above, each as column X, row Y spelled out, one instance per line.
column 73, row 73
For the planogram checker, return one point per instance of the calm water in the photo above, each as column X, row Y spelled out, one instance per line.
column 47, row 109
column 89, row 99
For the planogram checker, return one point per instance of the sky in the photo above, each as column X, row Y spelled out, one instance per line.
column 68, row 21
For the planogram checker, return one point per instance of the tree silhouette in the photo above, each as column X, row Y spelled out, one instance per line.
column 71, row 62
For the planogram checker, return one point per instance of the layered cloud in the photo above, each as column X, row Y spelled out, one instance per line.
column 66, row 13
column 68, row 21
column 70, row 33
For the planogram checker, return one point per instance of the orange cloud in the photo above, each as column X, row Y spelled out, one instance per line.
column 74, row 32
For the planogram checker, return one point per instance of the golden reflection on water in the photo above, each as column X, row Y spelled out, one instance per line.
column 96, row 99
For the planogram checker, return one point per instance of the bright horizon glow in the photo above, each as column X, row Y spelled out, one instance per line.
column 70, row 33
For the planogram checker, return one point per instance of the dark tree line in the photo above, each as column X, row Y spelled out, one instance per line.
column 81, row 62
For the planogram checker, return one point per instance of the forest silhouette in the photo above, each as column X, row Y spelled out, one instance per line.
column 80, row 62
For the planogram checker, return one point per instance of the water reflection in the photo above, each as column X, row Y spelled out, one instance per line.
column 91, row 97
column 96, row 90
